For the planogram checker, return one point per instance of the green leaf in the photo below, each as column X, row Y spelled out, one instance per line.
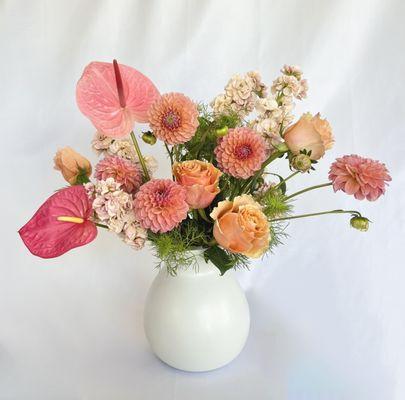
column 283, row 186
column 82, row 177
column 220, row 258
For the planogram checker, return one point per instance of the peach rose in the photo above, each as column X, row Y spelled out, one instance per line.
column 200, row 179
column 72, row 165
column 310, row 133
column 241, row 227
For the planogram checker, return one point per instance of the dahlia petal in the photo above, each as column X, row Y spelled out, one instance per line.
column 47, row 237
column 97, row 98
column 351, row 186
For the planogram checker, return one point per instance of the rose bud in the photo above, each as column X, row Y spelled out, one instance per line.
column 200, row 179
column 75, row 168
column 222, row 131
column 360, row 223
column 241, row 227
column 312, row 134
column 301, row 162
column 149, row 138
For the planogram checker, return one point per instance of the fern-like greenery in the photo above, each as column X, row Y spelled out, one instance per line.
column 173, row 248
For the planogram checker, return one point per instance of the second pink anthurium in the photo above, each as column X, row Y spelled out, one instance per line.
column 114, row 96
column 60, row 224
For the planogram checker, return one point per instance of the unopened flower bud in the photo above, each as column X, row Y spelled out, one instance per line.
column 301, row 162
column 149, row 138
column 360, row 223
column 222, row 131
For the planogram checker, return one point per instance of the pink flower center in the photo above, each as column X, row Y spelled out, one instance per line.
column 243, row 151
column 171, row 120
column 160, row 197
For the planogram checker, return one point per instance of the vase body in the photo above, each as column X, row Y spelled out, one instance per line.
column 196, row 320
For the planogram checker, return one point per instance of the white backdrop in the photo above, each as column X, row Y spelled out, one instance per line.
column 327, row 308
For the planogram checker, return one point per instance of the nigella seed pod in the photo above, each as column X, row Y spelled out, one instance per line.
column 149, row 138
column 222, row 131
column 360, row 223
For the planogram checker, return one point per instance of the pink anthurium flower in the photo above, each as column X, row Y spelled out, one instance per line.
column 114, row 96
column 60, row 224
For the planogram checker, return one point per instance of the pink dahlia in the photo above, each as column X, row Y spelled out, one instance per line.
column 173, row 118
column 241, row 152
column 123, row 171
column 362, row 177
column 160, row 205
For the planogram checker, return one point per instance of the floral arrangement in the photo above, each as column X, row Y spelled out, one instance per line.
column 223, row 197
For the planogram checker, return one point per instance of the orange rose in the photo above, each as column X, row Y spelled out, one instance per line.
column 310, row 133
column 241, row 227
column 200, row 179
column 72, row 165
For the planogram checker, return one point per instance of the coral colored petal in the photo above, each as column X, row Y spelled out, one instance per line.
column 97, row 98
column 47, row 237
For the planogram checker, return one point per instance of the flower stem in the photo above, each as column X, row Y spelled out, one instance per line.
column 319, row 213
column 203, row 215
column 250, row 182
column 284, row 180
column 101, row 225
column 140, row 156
column 308, row 189
column 170, row 154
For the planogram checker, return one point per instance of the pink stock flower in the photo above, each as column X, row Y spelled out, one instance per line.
column 173, row 118
column 241, row 152
column 123, row 171
column 361, row 177
column 60, row 224
column 114, row 97
column 160, row 205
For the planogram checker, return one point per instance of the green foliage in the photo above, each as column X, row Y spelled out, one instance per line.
column 203, row 143
column 225, row 260
column 277, row 234
column 173, row 248
column 82, row 177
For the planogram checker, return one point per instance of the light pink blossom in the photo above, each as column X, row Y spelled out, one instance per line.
column 358, row 176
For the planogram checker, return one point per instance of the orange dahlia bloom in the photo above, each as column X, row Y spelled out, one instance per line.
column 241, row 152
column 173, row 118
column 160, row 205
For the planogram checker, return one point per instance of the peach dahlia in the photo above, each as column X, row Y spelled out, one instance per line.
column 160, row 205
column 173, row 118
column 241, row 152
column 359, row 176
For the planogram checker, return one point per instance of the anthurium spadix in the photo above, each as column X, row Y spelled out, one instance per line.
column 60, row 224
column 114, row 96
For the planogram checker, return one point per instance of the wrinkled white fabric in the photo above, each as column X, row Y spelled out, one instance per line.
column 327, row 308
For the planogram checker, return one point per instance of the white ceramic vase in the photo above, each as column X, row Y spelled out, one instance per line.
column 196, row 320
